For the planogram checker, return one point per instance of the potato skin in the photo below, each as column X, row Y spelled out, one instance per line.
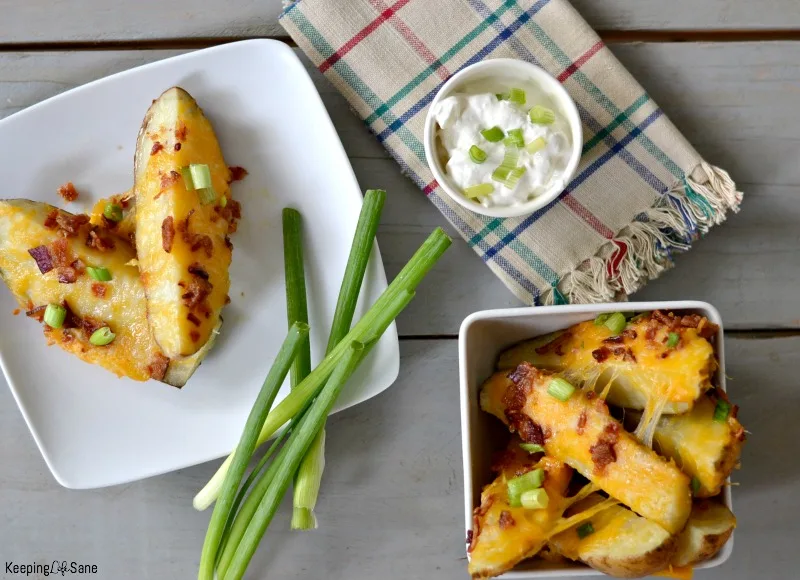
column 183, row 248
column 710, row 526
column 122, row 307
column 636, row 567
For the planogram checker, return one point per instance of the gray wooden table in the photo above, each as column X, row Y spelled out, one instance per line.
column 727, row 73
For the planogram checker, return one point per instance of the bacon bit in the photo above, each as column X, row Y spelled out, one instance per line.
column 196, row 293
column 590, row 395
column 99, row 289
column 227, row 299
column 193, row 319
column 506, row 520
column 167, row 233
column 66, row 337
column 630, row 333
column 167, row 179
column 196, row 269
column 68, row 224
column 581, row 423
column 177, row 147
column 707, row 329
column 228, row 243
column 157, row 146
column 181, row 132
column 662, row 317
column 650, row 333
column 665, row 354
column 528, row 431
column 68, row 192
column 16, row 311
column 237, row 173
column 37, row 313
column 67, row 275
column 61, row 253
column 601, row 354
column 194, row 335
column 89, row 325
column 614, row 339
column 79, row 266
column 158, row 367
column 200, row 241
column 43, row 258
column 691, row 320
column 51, row 222
column 555, row 345
column 99, row 243
column 603, row 452
column 124, row 200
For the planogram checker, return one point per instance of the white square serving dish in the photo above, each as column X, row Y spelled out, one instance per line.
column 483, row 336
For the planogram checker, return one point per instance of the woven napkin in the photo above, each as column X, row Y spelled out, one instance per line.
column 641, row 193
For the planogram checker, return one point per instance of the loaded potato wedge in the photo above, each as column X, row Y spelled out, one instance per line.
column 47, row 256
column 183, row 216
column 710, row 526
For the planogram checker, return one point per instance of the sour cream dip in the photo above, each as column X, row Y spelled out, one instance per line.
column 472, row 147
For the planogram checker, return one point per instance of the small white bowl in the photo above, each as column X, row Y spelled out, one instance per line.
column 483, row 336
column 502, row 72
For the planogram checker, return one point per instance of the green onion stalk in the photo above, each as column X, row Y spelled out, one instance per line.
column 297, row 335
column 379, row 316
column 309, row 475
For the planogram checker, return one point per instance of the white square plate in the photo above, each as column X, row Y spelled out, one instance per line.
column 483, row 336
column 96, row 430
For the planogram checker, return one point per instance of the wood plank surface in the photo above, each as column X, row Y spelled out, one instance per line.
column 391, row 502
column 736, row 102
column 120, row 20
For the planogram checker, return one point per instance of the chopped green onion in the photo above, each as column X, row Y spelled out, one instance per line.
column 510, row 157
column 639, row 316
column 673, row 339
column 187, row 179
column 515, row 138
column 493, row 135
column 477, row 154
column 536, row 145
column 535, row 499
column 695, row 486
column 721, row 411
column 201, row 175
column 223, row 201
column 479, row 190
column 99, row 274
column 373, row 324
column 113, row 212
column 296, row 337
column 309, row 475
column 586, row 529
column 296, row 302
column 525, row 482
column 541, row 115
column 517, row 96
column 616, row 323
column 532, row 447
column 54, row 315
column 102, row 336
column 507, row 176
column 502, row 96
column 560, row 389
column 601, row 319
column 207, row 195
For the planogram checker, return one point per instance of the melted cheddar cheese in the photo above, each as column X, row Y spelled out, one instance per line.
column 503, row 535
column 636, row 370
column 575, row 432
column 176, row 134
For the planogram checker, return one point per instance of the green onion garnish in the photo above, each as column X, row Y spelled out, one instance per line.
column 586, row 529
column 536, row 145
column 99, row 274
column 721, row 411
column 560, row 389
column 535, row 499
column 515, row 138
column 102, row 336
column 695, row 486
column 187, row 179
column 616, row 323
column 113, row 212
column 477, row 154
column 493, row 135
column 517, row 96
column 673, row 339
column 296, row 301
column 201, row 175
column 541, row 115
column 532, row 447
column 601, row 319
column 223, row 201
column 207, row 195
column 502, row 96
column 507, row 176
column 54, row 315
column 480, row 190
column 525, row 482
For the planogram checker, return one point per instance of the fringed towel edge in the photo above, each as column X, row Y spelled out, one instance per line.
column 643, row 250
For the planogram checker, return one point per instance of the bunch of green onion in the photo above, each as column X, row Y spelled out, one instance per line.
column 244, row 509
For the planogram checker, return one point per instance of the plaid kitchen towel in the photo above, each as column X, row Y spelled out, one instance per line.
column 641, row 193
